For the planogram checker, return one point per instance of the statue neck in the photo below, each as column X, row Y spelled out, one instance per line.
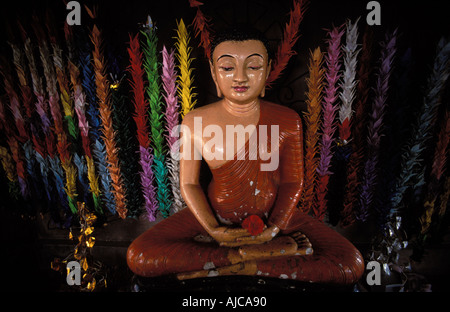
column 241, row 109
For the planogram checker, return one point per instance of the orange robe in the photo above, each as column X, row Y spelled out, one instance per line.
column 240, row 188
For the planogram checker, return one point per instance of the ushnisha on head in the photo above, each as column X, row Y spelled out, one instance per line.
column 240, row 64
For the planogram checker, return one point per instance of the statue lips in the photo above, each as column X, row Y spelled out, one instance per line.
column 240, row 88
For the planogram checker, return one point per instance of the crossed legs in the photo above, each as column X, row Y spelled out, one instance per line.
column 170, row 248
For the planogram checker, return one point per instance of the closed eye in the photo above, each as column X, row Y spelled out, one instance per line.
column 226, row 68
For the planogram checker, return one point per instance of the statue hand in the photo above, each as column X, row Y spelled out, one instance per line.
column 227, row 236
column 267, row 235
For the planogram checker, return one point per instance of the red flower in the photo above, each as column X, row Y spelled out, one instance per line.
column 253, row 224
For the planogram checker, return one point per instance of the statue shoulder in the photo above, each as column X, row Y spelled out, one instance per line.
column 204, row 112
column 280, row 114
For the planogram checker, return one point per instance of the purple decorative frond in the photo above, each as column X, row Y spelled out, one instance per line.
column 149, row 191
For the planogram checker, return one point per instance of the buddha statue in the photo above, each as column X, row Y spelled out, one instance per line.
column 254, row 150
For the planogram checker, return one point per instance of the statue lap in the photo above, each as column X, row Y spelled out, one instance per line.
column 169, row 247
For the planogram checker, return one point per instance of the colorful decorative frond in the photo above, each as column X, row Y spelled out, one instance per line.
column 43, row 148
column 14, row 101
column 312, row 122
column 328, row 127
column 29, row 109
column 151, row 66
column 15, row 140
column 22, row 74
column 375, row 125
column 83, row 125
column 290, row 37
column 103, row 97
column 141, row 118
column 63, row 83
column 8, row 164
column 411, row 167
column 348, row 84
column 62, row 143
column 127, row 143
column 437, row 171
column 359, row 134
column 93, row 119
column 202, row 27
column 185, row 76
column 172, row 115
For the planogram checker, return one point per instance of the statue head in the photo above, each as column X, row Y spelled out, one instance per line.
column 240, row 64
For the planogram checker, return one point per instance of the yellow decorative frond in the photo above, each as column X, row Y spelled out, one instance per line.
column 185, row 78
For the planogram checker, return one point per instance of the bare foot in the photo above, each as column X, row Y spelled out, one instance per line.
column 241, row 268
column 293, row 245
column 243, row 259
column 304, row 246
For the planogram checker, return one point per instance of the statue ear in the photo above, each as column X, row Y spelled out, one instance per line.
column 213, row 74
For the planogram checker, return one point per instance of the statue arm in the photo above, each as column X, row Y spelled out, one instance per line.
column 291, row 177
column 192, row 191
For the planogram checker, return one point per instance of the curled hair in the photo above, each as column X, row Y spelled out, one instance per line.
column 240, row 33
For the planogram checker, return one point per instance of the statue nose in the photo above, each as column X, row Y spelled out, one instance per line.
column 240, row 75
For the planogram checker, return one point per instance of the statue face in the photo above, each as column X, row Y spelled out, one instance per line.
column 240, row 70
